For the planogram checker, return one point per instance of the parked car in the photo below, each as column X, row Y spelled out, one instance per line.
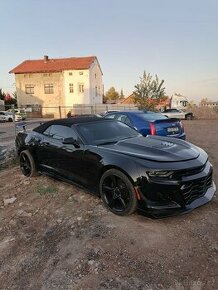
column 150, row 123
column 3, row 117
column 20, row 112
column 160, row 176
column 8, row 116
column 178, row 114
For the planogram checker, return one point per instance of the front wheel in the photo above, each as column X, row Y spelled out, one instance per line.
column 117, row 192
column 27, row 164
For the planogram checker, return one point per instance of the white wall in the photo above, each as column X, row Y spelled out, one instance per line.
column 96, row 81
column 179, row 102
column 77, row 77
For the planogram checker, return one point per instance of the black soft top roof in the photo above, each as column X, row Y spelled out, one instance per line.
column 68, row 122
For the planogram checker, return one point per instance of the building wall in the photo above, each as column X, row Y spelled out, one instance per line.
column 210, row 104
column 96, row 95
column 76, row 77
column 39, row 97
column 90, row 78
column 179, row 102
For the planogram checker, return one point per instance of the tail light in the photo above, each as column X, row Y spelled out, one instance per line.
column 153, row 129
column 182, row 126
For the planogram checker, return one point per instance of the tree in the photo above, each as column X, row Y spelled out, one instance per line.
column 121, row 94
column 149, row 92
column 2, row 95
column 112, row 95
column 9, row 100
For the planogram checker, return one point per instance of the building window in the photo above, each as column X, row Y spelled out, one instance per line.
column 96, row 91
column 47, row 75
column 48, row 89
column 96, row 76
column 81, row 88
column 70, row 73
column 81, row 73
column 29, row 89
column 71, row 88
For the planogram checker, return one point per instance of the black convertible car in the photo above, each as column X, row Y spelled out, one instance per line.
column 160, row 176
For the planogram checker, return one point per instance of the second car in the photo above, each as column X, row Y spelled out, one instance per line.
column 150, row 123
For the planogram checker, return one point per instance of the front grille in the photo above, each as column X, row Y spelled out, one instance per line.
column 197, row 188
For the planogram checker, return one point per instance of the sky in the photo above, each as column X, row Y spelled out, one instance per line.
column 177, row 40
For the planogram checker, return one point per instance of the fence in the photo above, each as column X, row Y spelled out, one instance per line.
column 35, row 115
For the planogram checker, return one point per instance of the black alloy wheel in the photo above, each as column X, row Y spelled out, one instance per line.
column 117, row 192
column 27, row 164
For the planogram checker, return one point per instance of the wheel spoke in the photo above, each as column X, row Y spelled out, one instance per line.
column 111, row 202
column 107, row 188
column 114, row 180
column 122, row 202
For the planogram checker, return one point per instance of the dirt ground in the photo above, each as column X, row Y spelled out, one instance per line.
column 58, row 236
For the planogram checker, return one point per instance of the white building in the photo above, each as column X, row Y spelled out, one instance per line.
column 59, row 82
column 178, row 101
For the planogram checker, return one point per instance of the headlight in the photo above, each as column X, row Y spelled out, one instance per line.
column 160, row 174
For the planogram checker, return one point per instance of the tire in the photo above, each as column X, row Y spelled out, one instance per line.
column 117, row 192
column 10, row 120
column 27, row 164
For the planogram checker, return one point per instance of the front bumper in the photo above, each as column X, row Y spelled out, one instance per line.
column 167, row 198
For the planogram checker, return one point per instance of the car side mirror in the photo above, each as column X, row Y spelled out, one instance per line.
column 71, row 141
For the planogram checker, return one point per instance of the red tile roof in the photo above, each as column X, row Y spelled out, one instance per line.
column 54, row 65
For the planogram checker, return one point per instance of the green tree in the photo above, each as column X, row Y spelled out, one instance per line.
column 112, row 95
column 149, row 92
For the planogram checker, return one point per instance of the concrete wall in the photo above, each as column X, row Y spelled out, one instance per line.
column 96, row 81
column 76, row 77
column 39, row 97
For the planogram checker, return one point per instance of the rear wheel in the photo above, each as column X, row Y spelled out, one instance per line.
column 27, row 164
column 10, row 120
column 117, row 192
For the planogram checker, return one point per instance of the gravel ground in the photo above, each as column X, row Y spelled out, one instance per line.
column 58, row 236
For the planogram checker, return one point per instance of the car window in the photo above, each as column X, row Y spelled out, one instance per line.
column 110, row 116
column 151, row 116
column 124, row 119
column 60, row 132
column 105, row 131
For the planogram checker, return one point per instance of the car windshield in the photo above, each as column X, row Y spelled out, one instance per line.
column 105, row 132
column 150, row 116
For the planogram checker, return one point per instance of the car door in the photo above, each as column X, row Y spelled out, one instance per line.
column 63, row 159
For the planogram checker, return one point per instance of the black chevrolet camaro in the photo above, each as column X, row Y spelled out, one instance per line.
column 160, row 176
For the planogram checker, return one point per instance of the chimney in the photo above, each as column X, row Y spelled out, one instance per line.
column 45, row 58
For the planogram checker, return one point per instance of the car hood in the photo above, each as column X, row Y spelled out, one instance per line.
column 155, row 148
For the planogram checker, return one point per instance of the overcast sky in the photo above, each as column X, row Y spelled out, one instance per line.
column 178, row 40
